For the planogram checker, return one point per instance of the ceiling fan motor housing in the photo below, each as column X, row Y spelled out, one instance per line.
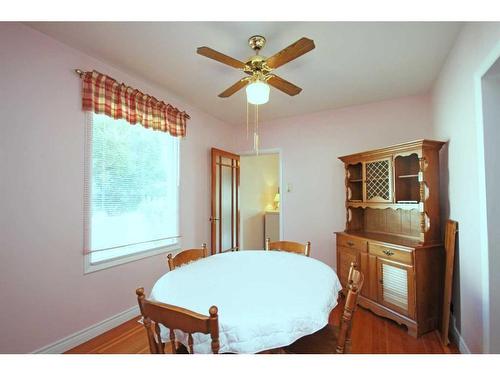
column 256, row 65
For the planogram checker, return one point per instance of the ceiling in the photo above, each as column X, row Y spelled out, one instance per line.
column 353, row 62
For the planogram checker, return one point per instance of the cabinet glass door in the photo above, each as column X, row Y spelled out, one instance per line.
column 396, row 287
column 378, row 181
column 225, row 217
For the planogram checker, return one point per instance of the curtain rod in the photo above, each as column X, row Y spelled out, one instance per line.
column 80, row 73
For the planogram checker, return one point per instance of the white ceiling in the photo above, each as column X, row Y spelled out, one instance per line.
column 353, row 62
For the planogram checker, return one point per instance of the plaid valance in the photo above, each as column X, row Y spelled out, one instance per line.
column 102, row 94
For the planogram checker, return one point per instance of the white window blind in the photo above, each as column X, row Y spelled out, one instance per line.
column 132, row 189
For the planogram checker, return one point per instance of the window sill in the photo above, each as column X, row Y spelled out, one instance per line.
column 93, row 267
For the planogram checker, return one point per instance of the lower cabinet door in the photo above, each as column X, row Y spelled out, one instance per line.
column 368, row 267
column 365, row 269
column 346, row 256
column 396, row 287
column 371, row 278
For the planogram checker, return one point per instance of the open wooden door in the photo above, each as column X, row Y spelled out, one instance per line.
column 225, row 215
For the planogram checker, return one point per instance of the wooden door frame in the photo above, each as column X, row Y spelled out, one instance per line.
column 215, row 152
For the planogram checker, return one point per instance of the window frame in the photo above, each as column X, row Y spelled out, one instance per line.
column 89, row 266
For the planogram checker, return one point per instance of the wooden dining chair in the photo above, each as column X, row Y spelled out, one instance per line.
column 174, row 317
column 291, row 247
column 186, row 256
column 333, row 339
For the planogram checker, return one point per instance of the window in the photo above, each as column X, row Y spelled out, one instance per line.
column 132, row 192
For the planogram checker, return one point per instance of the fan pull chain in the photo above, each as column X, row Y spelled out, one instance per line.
column 257, row 126
column 247, row 119
column 256, row 131
column 254, row 139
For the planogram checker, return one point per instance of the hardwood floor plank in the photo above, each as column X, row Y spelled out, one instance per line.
column 371, row 334
column 113, row 336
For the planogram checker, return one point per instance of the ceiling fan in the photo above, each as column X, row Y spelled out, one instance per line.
column 259, row 68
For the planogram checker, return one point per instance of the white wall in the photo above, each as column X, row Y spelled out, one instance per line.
column 259, row 183
column 44, row 294
column 456, row 109
column 310, row 145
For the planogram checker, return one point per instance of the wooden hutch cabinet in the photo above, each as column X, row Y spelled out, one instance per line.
column 393, row 232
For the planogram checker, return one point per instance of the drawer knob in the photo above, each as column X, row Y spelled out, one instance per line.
column 388, row 252
column 350, row 243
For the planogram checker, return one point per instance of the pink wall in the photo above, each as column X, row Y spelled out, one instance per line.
column 310, row 145
column 456, row 109
column 45, row 295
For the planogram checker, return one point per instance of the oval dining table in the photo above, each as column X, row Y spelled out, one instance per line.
column 266, row 299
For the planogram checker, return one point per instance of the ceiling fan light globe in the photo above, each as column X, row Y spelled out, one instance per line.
column 257, row 92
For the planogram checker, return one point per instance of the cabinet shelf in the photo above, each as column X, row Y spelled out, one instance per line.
column 354, row 175
column 407, row 184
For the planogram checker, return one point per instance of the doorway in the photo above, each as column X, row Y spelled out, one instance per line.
column 260, row 199
column 490, row 93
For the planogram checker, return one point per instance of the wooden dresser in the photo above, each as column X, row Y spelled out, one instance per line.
column 393, row 232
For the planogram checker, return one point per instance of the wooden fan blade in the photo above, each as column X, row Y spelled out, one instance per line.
column 220, row 57
column 231, row 90
column 290, row 53
column 283, row 85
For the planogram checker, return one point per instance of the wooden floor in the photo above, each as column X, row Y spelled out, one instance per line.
column 370, row 335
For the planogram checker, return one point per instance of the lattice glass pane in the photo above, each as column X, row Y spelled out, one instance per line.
column 377, row 180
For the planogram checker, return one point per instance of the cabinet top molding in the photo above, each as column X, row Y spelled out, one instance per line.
column 394, row 149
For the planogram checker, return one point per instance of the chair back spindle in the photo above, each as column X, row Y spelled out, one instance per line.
column 160, row 344
column 171, row 336
column 190, row 343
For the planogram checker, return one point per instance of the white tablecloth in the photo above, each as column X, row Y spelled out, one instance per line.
column 266, row 299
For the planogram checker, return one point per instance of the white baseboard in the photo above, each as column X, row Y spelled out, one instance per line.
column 462, row 346
column 88, row 333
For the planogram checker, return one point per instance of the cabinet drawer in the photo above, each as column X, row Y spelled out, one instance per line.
column 351, row 242
column 391, row 253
